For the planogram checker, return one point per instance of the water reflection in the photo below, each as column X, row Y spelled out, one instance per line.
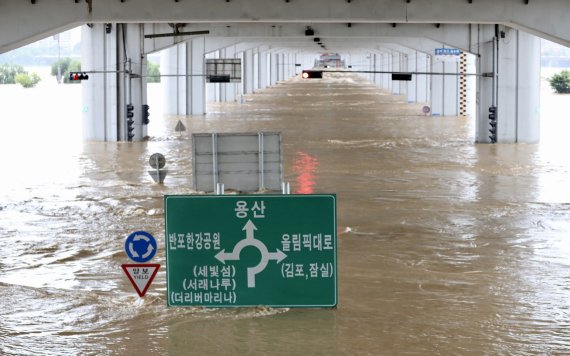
column 305, row 167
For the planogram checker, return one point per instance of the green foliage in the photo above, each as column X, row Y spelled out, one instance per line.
column 67, row 65
column 8, row 73
column 153, row 72
column 28, row 80
column 561, row 82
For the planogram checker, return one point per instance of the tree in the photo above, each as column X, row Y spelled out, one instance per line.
column 67, row 65
column 8, row 73
column 153, row 72
column 28, row 80
column 561, row 82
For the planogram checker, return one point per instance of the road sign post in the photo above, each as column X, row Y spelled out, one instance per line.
column 250, row 250
column 140, row 246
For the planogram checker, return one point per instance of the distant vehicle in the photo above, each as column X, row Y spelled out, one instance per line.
column 330, row 60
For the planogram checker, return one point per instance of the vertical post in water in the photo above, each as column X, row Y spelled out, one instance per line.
column 261, row 159
column 215, row 159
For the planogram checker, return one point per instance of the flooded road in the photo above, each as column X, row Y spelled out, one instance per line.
column 445, row 246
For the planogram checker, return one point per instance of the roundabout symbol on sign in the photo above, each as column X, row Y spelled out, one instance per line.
column 140, row 246
column 250, row 240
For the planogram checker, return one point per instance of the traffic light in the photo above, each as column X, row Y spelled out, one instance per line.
column 76, row 76
column 493, row 123
column 312, row 74
column 145, row 114
column 130, row 122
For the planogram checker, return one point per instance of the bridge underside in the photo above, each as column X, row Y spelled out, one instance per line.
column 500, row 65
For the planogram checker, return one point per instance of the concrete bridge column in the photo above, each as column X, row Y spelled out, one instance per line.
column 281, row 65
column 422, row 81
column 396, row 67
column 273, row 68
column 412, row 85
column 248, row 72
column 445, row 88
column 228, row 90
column 100, row 99
column 173, row 83
column 255, row 72
column 516, row 87
column 377, row 68
column 213, row 89
column 118, row 54
column 385, row 66
column 196, row 82
column 263, row 67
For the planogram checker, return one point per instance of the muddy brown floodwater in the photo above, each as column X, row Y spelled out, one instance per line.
column 445, row 246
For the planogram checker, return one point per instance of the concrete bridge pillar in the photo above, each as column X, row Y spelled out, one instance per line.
column 396, row 65
column 386, row 67
column 173, row 81
column 273, row 68
column 377, row 68
column 248, row 72
column 281, row 75
column 114, row 55
column 213, row 89
column 196, row 82
column 412, row 85
column 262, row 75
column 228, row 90
column 445, row 88
column 515, row 88
column 422, row 81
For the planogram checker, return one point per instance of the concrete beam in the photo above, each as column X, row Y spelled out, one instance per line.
column 22, row 22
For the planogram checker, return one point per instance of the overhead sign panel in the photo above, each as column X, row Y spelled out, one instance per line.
column 402, row 76
column 223, row 70
column 447, row 54
column 250, row 250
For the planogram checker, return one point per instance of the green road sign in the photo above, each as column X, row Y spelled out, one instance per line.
column 250, row 250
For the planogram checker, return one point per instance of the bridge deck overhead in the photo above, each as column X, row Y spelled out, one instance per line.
column 22, row 22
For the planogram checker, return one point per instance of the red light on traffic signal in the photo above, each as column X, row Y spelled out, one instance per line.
column 74, row 76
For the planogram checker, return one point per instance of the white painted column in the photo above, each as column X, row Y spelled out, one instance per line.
column 281, row 67
column 486, row 91
column 378, row 68
column 386, row 67
column 273, row 68
column 437, row 88
column 422, row 80
column 395, row 68
column 229, row 90
column 212, row 89
column 100, row 106
column 196, row 99
column 256, row 70
column 412, row 87
column 106, row 95
column 137, row 96
column 248, row 79
column 263, row 70
column 173, row 62
column 517, row 88
column 451, row 92
column 518, row 102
